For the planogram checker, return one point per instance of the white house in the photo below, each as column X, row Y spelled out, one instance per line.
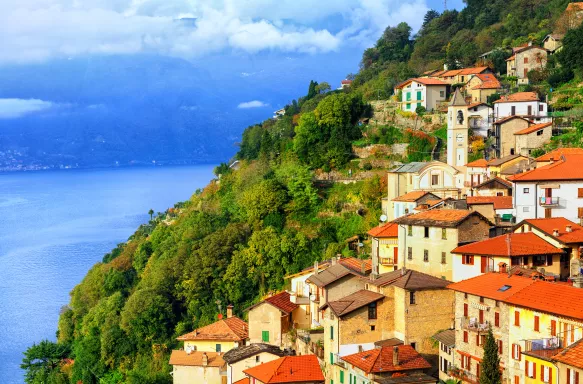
column 554, row 190
column 521, row 104
column 422, row 92
column 480, row 117
column 407, row 203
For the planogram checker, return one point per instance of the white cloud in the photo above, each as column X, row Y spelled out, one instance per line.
column 37, row 30
column 252, row 104
column 14, row 108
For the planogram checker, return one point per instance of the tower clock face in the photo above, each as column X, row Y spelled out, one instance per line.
column 460, row 137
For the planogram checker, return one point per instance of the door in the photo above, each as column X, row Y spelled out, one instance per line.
column 396, row 255
column 484, row 264
column 548, row 213
column 530, row 110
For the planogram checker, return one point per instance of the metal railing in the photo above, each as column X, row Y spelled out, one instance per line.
column 472, row 324
column 465, row 376
column 548, row 201
column 387, row 261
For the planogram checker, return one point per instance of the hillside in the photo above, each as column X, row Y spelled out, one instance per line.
column 277, row 213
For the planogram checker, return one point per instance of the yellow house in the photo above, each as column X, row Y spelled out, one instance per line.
column 506, row 165
column 481, row 86
column 385, row 247
column 248, row 356
column 426, row 239
column 197, row 367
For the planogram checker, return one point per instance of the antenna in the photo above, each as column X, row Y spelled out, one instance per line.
column 445, row 5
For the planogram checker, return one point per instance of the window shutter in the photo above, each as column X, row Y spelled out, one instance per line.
column 542, row 372
column 497, row 319
column 580, row 213
column 477, row 339
column 550, row 375
column 517, row 318
column 513, row 351
column 500, row 347
column 536, row 323
column 553, row 328
column 465, row 310
column 579, row 192
column 534, row 370
column 568, row 376
column 519, row 353
column 526, row 366
column 576, row 378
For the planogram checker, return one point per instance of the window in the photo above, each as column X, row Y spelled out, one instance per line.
column 529, row 110
column 418, row 105
column 408, row 95
column 541, row 260
column 480, row 340
column 500, row 349
column 467, row 259
column 572, row 376
column 372, row 327
column 466, row 362
column 541, row 108
column 526, row 190
column 265, row 336
column 409, row 230
column 411, row 297
column 466, row 310
column 331, row 332
column 465, row 296
column 465, row 336
column 425, row 255
column 525, row 60
column 525, row 209
column 481, row 299
column 342, row 377
column 443, row 233
column 257, row 359
column 516, row 319
column 579, row 192
column 443, row 258
column 372, row 311
column 530, row 369
column 536, row 323
column 441, row 93
column 407, row 106
column 497, row 319
column 512, row 151
column 546, row 373
column 516, row 352
column 426, row 232
column 414, row 345
column 496, row 303
column 513, row 110
column 419, row 95
column 580, row 213
column 218, row 348
column 409, row 253
column 434, row 179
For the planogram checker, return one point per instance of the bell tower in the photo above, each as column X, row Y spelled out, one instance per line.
column 457, row 130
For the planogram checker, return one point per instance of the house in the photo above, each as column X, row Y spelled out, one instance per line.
column 401, row 361
column 271, row 320
column 569, row 362
column 248, row 356
column 498, row 209
column 498, row 254
column 553, row 42
column 554, row 155
column 504, row 134
column 220, row 336
column 480, row 118
column 279, row 113
column 384, row 247
column 408, row 202
column 289, row 370
column 461, row 76
column 533, row 137
column 436, row 177
column 495, row 186
column 422, row 92
column 554, row 190
column 525, row 59
column 427, row 238
column 524, row 104
column 508, row 165
column 446, row 340
column 476, row 173
column 481, row 86
column 344, row 84
column 202, row 367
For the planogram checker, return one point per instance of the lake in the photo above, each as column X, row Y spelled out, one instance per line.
column 55, row 225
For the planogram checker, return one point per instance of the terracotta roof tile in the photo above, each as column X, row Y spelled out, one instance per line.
column 464, row 71
column 242, row 381
column 518, row 97
column 489, row 81
column 288, row 369
column 381, row 360
column 533, row 128
column 353, row 302
column 410, row 280
column 499, row 202
column 548, row 226
column 509, row 245
column 282, row 302
column 179, row 357
column 240, row 353
column 330, row 275
column 557, row 153
column 571, row 168
column 422, row 80
column 480, row 163
column 489, row 285
column 572, row 355
column 389, row 229
column 357, row 265
column 231, row 329
column 447, row 218
column 505, row 159
column 412, row 196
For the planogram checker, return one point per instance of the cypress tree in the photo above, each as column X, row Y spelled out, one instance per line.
column 490, row 367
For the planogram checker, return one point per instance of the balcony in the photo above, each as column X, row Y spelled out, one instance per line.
column 387, row 261
column 338, row 361
column 548, row 201
column 544, row 348
column 472, row 324
column 463, row 375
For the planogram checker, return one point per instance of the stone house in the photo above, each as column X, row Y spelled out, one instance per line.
column 422, row 92
column 525, row 59
column 533, row 137
column 427, row 238
column 481, row 86
column 460, row 76
column 504, row 134
column 271, row 320
column 494, row 208
column 553, row 42
column 248, row 356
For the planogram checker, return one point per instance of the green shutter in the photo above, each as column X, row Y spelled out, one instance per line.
column 418, row 104
column 331, row 358
column 265, row 336
column 419, row 95
column 408, row 96
column 341, row 377
column 408, row 106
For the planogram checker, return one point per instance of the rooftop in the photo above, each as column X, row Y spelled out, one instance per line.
column 288, row 369
column 489, row 81
column 509, row 245
column 480, row 163
column 353, row 302
column 180, row 357
column 280, row 301
column 422, row 80
column 412, row 167
column 557, row 153
column 572, row 355
column 242, row 381
column 330, row 275
column 495, row 180
column 410, row 280
column 389, row 229
column 548, row 226
column 241, row 353
column 445, row 218
column 229, row 329
column 503, row 160
column 499, row 202
column 568, row 168
column 533, row 128
column 463, row 71
column 508, row 118
column 518, row 97
column 446, row 337
column 381, row 360
column 496, row 286
column 413, row 196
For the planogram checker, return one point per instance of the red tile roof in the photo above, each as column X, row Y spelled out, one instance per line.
column 533, row 128
column 496, row 179
column 477, row 104
column 282, row 302
column 288, row 369
column 572, row 355
column 509, row 245
column 179, row 357
column 557, row 153
column 346, row 82
column 463, row 71
column 381, row 360
column 422, row 80
column 480, row 163
column 389, row 229
column 518, row 97
column 499, row 202
column 357, row 265
column 489, row 284
column 242, row 381
column 489, row 81
column 411, row 196
column 571, row 168
column 574, row 7
column 230, row 329
column 548, row 226
column 449, row 218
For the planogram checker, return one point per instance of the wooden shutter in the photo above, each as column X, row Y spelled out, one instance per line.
column 550, row 375
column 580, row 213
column 526, row 366
column 497, row 319
column 579, row 192
column 576, row 378
column 499, row 347
column 465, row 310
column 477, row 340
column 396, row 255
column 536, row 323
column 542, row 372
column 517, row 318
column 481, row 316
column 568, row 376
column 553, row 328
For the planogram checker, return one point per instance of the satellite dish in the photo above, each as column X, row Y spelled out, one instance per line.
column 383, row 218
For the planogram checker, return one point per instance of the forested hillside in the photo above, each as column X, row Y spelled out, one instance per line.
column 235, row 240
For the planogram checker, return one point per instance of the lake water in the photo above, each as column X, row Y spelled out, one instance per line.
column 55, row 225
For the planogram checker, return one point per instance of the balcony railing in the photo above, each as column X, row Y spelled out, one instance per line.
column 465, row 376
column 545, row 348
column 548, row 201
column 474, row 325
column 387, row 261
column 338, row 361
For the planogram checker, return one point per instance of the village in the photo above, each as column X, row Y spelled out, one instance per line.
column 463, row 247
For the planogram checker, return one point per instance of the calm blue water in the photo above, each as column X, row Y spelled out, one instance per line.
column 55, row 225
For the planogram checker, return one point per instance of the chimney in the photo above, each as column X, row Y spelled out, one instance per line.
column 363, row 267
column 502, row 267
column 395, row 356
column 403, row 271
column 315, row 267
column 360, row 349
column 568, row 228
column 334, row 259
column 556, row 232
column 205, row 359
column 229, row 311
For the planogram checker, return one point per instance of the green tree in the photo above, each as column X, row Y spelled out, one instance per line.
column 219, row 170
column 490, row 367
column 323, row 87
column 312, row 90
column 42, row 362
column 571, row 55
column 151, row 213
column 429, row 16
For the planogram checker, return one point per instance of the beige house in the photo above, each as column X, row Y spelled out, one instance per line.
column 422, row 92
column 248, row 356
column 481, row 86
column 271, row 319
column 498, row 209
column 507, row 165
column 504, row 134
column 533, row 137
column 460, row 76
column 408, row 202
column 495, row 186
column 476, row 173
column 553, row 42
column 197, row 367
column 525, row 59
column 427, row 238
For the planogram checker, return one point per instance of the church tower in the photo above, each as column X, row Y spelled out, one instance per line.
column 457, row 130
